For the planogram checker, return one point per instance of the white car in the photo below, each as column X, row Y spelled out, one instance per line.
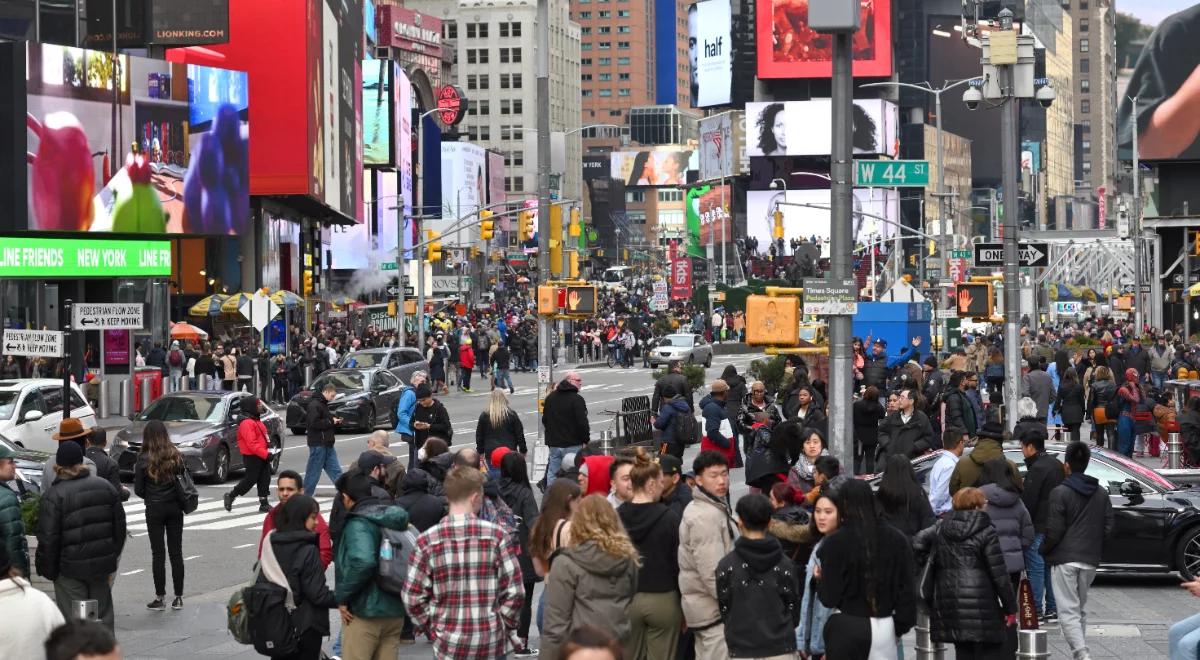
column 687, row 348
column 31, row 408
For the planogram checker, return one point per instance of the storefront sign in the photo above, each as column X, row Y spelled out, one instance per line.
column 409, row 30
column 22, row 257
column 452, row 105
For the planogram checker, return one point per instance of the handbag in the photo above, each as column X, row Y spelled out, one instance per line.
column 1100, row 416
column 185, row 489
column 926, row 583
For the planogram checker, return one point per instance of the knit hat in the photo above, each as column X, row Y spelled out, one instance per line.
column 498, row 454
column 992, row 429
column 423, row 391
column 68, row 454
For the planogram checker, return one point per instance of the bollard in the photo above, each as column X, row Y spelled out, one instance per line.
column 126, row 399
column 102, row 391
column 86, row 610
column 1031, row 644
column 147, row 395
column 183, row 383
column 1174, row 450
column 927, row 649
column 203, row 382
column 308, row 376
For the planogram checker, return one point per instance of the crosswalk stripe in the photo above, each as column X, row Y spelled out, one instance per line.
column 217, row 518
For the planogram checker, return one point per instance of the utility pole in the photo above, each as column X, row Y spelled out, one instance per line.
column 400, row 272
column 841, row 17
column 545, row 345
column 1135, row 228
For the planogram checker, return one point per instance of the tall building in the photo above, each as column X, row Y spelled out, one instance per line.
column 495, row 58
column 1095, row 107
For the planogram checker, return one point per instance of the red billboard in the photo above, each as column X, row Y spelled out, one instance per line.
column 789, row 48
column 681, row 278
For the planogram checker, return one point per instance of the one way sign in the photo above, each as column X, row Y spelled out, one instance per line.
column 1032, row 255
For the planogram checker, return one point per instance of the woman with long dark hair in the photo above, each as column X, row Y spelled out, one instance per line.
column 772, row 136
column 1069, row 402
column 552, row 531
column 901, row 500
column 810, row 635
column 293, row 543
column 158, row 463
column 866, row 574
column 518, row 495
column 867, row 413
column 252, row 442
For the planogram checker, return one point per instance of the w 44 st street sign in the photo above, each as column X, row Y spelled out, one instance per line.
column 891, row 173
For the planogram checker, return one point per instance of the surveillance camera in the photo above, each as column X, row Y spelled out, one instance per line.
column 972, row 98
column 1045, row 96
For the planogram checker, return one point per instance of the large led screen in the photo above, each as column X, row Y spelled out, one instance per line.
column 789, row 48
column 651, row 168
column 805, row 128
column 710, row 51
column 1164, row 82
column 812, row 221
column 181, row 160
column 377, row 112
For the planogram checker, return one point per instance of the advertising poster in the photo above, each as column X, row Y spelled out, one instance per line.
column 710, row 52
column 711, row 207
column 717, row 146
column 789, row 48
column 377, row 113
column 116, row 347
column 403, row 150
column 496, row 171
column 1162, row 81
column 335, row 36
column 350, row 245
column 188, row 22
column 183, row 135
column 805, row 128
column 813, row 223
column 681, row 278
column 464, row 182
column 650, row 168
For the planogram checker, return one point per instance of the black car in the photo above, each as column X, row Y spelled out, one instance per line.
column 29, row 464
column 401, row 361
column 203, row 425
column 365, row 400
column 1156, row 520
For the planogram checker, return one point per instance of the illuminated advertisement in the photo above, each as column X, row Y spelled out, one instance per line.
column 650, row 168
column 1162, row 82
column 377, row 112
column 464, row 182
column 335, row 172
column 789, row 48
column 721, row 145
column 708, row 218
column 710, row 52
column 496, row 171
column 811, row 222
column 805, row 128
column 188, row 22
column 403, row 145
column 182, row 160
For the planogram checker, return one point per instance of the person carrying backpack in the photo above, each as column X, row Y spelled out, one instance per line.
column 675, row 421
column 176, row 362
column 371, row 608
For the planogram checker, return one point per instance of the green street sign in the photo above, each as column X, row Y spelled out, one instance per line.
column 22, row 257
column 961, row 254
column 891, row 173
column 387, row 265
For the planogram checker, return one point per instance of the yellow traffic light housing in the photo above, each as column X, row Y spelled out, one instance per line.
column 556, row 246
column 575, row 228
column 973, row 300
column 777, row 230
column 525, row 220
column 434, row 249
column 1196, row 243
column 308, row 284
column 487, row 228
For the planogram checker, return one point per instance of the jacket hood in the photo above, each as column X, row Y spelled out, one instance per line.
column 298, row 537
column 565, row 386
column 985, row 450
column 761, row 555
column 1083, row 484
column 416, row 480
column 681, row 406
column 598, row 482
column 962, row 525
column 792, row 513
column 641, row 519
column 384, row 515
column 508, row 487
column 592, row 559
column 491, row 488
column 997, row 496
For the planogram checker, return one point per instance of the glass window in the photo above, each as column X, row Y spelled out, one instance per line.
column 1086, row 145
column 1085, row 106
column 605, row 76
column 185, row 408
column 450, row 30
column 622, row 60
column 516, row 81
column 53, row 398
column 622, row 76
column 587, row 61
column 622, row 13
column 605, row 14
column 516, row 29
column 605, row 61
column 606, row 92
column 1085, row 85
column 32, row 401
column 344, row 381
column 605, row 29
column 624, row 29
column 1083, row 45
column 8, row 404
column 623, row 45
column 1085, row 65
column 384, row 380
column 624, row 91
column 604, row 45
column 1083, row 25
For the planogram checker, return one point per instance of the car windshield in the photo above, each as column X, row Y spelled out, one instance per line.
column 1142, row 471
column 185, row 408
column 8, row 444
column 342, row 381
column 683, row 341
column 361, row 359
column 614, row 276
column 8, row 404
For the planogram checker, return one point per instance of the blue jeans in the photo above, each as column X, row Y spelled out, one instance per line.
column 555, row 462
column 1157, row 378
column 1125, row 435
column 1184, row 638
column 502, row 377
column 1039, row 576
column 320, row 458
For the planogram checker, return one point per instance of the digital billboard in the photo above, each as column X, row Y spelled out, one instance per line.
column 1162, row 81
column 812, row 223
column 805, row 128
column 183, row 131
column 377, row 112
column 188, row 22
column 708, row 218
column 464, row 182
column 650, row 168
column 710, row 52
column 495, row 181
column 718, row 146
column 334, row 72
column 789, row 48
column 402, row 130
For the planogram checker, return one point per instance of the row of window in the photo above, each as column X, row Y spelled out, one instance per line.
column 604, row 45
column 605, row 29
column 483, row 133
column 587, row 77
column 621, row 13
column 483, row 81
column 480, row 30
column 624, row 91
column 480, row 55
column 605, row 61
column 507, row 107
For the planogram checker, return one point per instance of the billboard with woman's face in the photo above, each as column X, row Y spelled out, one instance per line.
column 805, row 128
column 651, row 168
column 1167, row 87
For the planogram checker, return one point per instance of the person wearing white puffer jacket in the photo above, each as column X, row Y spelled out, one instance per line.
column 29, row 614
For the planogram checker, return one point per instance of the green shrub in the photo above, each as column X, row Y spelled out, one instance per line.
column 770, row 371
column 29, row 512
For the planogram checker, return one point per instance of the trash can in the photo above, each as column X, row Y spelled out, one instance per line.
column 150, row 378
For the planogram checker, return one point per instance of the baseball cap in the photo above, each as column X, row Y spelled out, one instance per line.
column 670, row 464
column 5, row 452
column 369, row 460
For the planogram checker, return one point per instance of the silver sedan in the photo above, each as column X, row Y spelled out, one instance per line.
column 687, row 348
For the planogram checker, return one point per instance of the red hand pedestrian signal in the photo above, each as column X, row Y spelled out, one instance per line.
column 974, row 299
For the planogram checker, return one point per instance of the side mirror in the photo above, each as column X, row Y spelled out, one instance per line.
column 33, row 416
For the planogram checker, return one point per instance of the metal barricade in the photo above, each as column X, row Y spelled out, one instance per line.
column 1032, row 644
column 102, row 391
column 147, row 395
column 86, row 610
column 308, row 376
column 631, row 426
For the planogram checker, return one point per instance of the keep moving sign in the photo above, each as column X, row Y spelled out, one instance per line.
column 107, row 316
column 33, row 343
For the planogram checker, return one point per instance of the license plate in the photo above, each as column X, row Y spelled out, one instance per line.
column 665, row 354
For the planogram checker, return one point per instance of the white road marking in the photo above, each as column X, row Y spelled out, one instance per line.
column 134, row 571
column 244, row 545
column 192, row 557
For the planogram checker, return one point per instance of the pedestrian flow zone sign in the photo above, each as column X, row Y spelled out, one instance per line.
column 107, row 316
column 33, row 343
column 1031, row 255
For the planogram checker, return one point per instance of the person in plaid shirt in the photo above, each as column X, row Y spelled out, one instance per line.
column 464, row 586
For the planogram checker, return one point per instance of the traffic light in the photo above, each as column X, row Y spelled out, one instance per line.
column 777, row 231
column 435, row 247
column 525, row 218
column 308, row 284
column 575, row 230
column 556, row 246
column 1196, row 243
column 487, row 228
column 474, row 252
column 573, row 264
column 973, row 300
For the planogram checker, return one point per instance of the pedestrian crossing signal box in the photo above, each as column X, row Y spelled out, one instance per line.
column 773, row 320
column 973, row 300
column 566, row 300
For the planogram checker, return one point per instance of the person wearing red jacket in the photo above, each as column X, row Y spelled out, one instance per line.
column 466, row 363
column 252, row 443
column 287, row 484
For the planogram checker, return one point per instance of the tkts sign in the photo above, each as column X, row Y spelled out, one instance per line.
column 681, row 278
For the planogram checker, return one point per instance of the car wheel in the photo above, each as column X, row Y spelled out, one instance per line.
column 220, row 471
column 708, row 362
column 1187, row 554
column 276, row 443
column 296, row 430
column 369, row 420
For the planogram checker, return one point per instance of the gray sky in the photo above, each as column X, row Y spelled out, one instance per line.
column 1152, row 12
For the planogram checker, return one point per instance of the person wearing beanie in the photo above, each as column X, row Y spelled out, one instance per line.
column 430, row 418
column 79, row 554
column 667, row 421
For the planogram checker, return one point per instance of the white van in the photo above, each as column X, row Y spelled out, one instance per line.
column 615, row 278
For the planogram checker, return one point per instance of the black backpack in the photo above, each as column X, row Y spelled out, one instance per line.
column 271, row 627
column 395, row 547
column 687, row 430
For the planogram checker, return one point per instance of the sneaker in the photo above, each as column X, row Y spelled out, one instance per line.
column 408, row 641
column 228, row 499
column 157, row 605
column 177, row 604
column 1050, row 617
column 525, row 652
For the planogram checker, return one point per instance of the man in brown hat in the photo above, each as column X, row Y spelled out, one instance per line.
column 69, row 430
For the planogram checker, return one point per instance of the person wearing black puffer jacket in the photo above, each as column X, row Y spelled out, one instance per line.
column 294, row 544
column 654, row 613
column 973, row 599
column 154, row 473
column 424, row 508
column 81, row 533
column 517, row 493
